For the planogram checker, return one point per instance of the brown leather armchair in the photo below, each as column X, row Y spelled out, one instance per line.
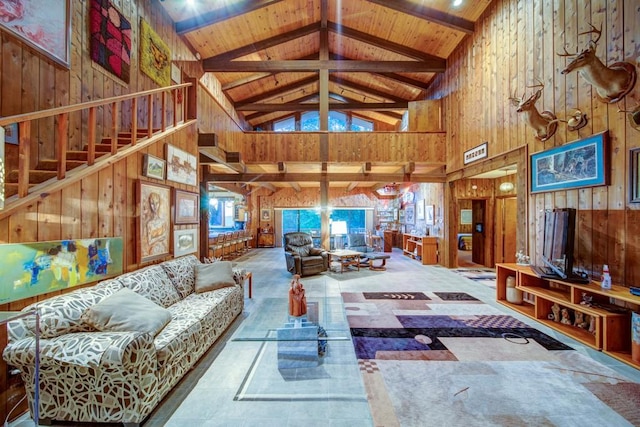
column 302, row 258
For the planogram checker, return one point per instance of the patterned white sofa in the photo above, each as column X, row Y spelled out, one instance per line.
column 87, row 375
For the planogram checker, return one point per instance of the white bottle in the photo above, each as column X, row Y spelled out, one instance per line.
column 606, row 277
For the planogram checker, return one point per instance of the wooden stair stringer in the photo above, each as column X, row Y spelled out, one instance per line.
column 42, row 190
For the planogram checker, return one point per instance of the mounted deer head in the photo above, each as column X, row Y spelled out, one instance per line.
column 611, row 83
column 544, row 124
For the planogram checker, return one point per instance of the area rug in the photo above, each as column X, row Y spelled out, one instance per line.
column 469, row 364
column 485, row 276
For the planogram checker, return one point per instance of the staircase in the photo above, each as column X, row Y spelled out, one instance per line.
column 29, row 182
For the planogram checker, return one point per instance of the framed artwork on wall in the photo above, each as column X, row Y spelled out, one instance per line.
column 154, row 220
column 185, row 242
column 410, row 214
column 466, row 216
column 153, row 167
column 187, row 206
column 45, row 29
column 634, row 178
column 11, row 134
column 181, row 166
column 429, row 214
column 584, row 163
column 265, row 214
column 420, row 209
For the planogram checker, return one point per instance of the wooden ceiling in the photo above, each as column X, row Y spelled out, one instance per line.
column 379, row 54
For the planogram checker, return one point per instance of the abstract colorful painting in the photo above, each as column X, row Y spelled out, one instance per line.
column 30, row 269
column 110, row 39
column 45, row 28
column 155, row 55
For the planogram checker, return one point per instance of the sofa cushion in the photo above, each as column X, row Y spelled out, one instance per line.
column 214, row 276
column 62, row 314
column 316, row 251
column 182, row 273
column 152, row 283
column 125, row 311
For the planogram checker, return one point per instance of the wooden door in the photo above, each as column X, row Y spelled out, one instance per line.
column 478, row 231
column 506, row 211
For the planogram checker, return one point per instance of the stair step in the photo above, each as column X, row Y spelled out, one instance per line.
column 82, row 155
column 35, row 176
column 141, row 133
column 52, row 165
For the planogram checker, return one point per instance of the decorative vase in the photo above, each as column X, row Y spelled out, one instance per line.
column 635, row 337
column 514, row 296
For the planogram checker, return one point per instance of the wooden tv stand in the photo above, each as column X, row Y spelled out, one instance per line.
column 611, row 330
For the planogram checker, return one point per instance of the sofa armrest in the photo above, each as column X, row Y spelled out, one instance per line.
column 84, row 350
column 294, row 264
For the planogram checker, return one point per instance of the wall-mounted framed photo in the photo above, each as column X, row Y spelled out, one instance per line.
column 420, row 209
column 154, row 220
column 584, row 163
column 429, row 214
column 182, row 167
column 410, row 214
column 187, row 205
column 185, row 242
column 11, row 134
column 153, row 167
column 466, row 216
column 45, row 29
column 265, row 214
column 634, row 175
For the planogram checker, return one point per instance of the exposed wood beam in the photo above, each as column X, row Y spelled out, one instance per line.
column 218, row 155
column 366, row 168
column 383, row 44
column 261, row 178
column 282, row 168
column 267, row 185
column 428, row 14
column 335, row 106
column 266, row 43
column 295, row 186
column 221, row 14
column 278, row 91
column 405, row 80
column 352, row 185
column 410, row 167
column 245, row 80
column 367, row 90
column 234, row 188
column 331, row 65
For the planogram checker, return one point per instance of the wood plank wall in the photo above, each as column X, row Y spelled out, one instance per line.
column 515, row 44
column 102, row 204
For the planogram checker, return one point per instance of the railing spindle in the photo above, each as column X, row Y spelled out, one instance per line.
column 91, row 138
column 24, row 130
column 163, row 112
column 150, row 116
column 134, row 121
column 63, row 143
column 115, row 120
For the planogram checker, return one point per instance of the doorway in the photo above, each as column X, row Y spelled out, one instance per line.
column 471, row 233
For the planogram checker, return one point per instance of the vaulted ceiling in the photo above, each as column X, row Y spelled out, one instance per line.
column 270, row 55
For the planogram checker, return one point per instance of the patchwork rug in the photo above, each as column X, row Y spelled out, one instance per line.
column 485, row 276
column 472, row 365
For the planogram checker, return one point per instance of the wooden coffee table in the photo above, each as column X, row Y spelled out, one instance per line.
column 346, row 258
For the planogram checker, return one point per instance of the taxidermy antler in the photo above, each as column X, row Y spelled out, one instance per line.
column 611, row 83
column 544, row 124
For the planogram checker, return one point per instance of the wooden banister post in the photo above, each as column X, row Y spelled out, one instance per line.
column 163, row 112
column 149, row 116
column 115, row 120
column 91, row 138
column 134, row 121
column 63, row 143
column 24, row 158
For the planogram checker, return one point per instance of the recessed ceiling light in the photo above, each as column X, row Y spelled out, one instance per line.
column 457, row 3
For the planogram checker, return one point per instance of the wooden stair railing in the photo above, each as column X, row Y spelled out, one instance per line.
column 18, row 183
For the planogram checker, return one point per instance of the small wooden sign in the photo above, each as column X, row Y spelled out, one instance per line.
column 476, row 153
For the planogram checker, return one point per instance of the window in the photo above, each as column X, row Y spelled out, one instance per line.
column 286, row 125
column 221, row 212
column 337, row 121
column 361, row 125
column 310, row 121
column 308, row 221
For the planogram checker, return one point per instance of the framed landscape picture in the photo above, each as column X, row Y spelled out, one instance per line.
column 584, row 163
column 185, row 242
column 410, row 214
column 187, row 206
column 153, row 167
column 154, row 220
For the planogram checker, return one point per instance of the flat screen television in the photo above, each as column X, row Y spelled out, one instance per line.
column 559, row 236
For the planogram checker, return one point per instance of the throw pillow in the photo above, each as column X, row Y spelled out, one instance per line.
column 213, row 276
column 127, row 311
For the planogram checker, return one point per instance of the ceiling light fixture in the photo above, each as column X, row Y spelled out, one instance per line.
column 507, row 185
column 457, row 3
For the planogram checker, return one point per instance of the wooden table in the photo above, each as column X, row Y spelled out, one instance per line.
column 346, row 258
